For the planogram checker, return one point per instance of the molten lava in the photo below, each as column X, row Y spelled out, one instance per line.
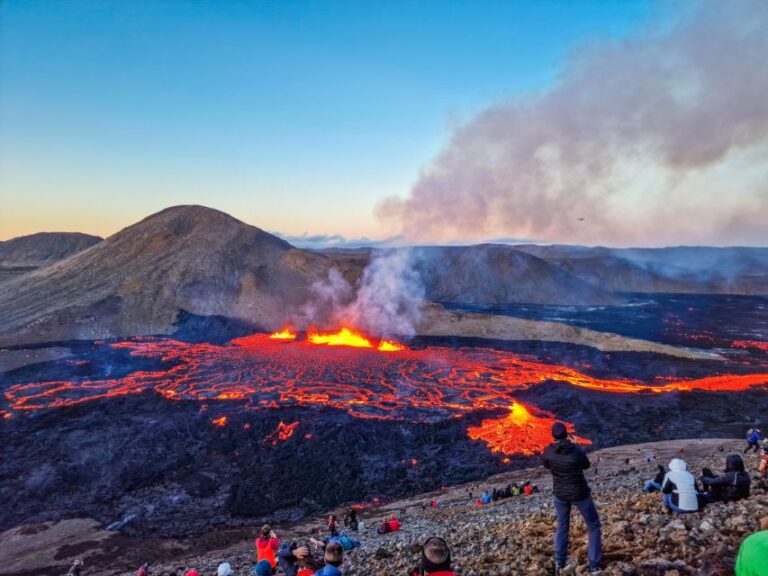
column 284, row 334
column 430, row 384
column 344, row 337
column 525, row 429
column 281, row 433
column 222, row 421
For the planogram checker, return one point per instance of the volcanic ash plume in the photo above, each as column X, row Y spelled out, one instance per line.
column 636, row 142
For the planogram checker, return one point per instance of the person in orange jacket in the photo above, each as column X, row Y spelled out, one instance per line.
column 267, row 545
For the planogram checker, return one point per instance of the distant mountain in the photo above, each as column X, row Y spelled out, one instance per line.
column 25, row 253
column 499, row 274
column 135, row 282
column 701, row 270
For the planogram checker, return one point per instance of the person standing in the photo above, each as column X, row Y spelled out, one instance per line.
column 567, row 462
column 754, row 437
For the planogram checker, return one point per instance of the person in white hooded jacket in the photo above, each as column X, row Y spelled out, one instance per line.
column 679, row 488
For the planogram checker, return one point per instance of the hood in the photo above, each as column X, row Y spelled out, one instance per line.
column 677, row 465
column 734, row 463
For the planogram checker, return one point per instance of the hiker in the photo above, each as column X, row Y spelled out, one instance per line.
column 763, row 468
column 353, row 518
column 267, row 545
column 332, row 528
column 76, row 568
column 655, row 484
column 384, row 527
column 144, row 570
column 753, row 553
column 262, row 568
column 732, row 485
column 333, row 557
column 567, row 462
column 754, row 437
column 291, row 558
column 435, row 559
column 486, row 497
column 225, row 569
column 679, row 489
column 394, row 524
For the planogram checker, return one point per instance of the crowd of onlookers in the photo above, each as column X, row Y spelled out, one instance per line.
column 566, row 461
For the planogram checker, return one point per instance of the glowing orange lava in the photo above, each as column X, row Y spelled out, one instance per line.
column 281, row 433
column 222, row 421
column 525, row 429
column 344, row 337
column 429, row 384
column 285, row 334
column 389, row 346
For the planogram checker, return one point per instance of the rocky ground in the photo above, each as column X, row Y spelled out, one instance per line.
column 509, row 537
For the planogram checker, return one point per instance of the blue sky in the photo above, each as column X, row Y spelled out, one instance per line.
column 294, row 116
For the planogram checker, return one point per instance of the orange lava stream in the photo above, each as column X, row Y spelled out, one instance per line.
column 344, row 337
column 429, row 384
column 524, row 426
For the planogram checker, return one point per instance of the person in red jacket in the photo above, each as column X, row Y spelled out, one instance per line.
column 394, row 524
column 435, row 558
column 267, row 545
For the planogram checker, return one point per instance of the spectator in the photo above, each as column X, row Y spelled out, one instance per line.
column 567, row 463
column 333, row 557
column 679, row 488
column 754, row 437
column 267, row 545
column 225, row 569
column 435, row 558
column 655, row 484
column 732, row 485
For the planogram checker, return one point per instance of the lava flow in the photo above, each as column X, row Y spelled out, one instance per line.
column 431, row 384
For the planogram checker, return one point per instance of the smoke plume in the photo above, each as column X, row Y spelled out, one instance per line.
column 657, row 138
column 386, row 303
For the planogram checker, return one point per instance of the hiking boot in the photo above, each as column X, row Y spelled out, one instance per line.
column 597, row 570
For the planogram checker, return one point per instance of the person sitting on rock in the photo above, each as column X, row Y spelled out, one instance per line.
column 732, row 485
column 76, row 568
column 394, row 524
column 527, row 488
column 143, row 570
column 292, row 558
column 384, row 527
column 753, row 553
column 486, row 497
column 655, row 484
column 267, row 545
column 333, row 557
column 679, row 489
column 567, row 463
column 754, row 437
column 435, row 559
column 515, row 489
column 332, row 525
column 763, row 468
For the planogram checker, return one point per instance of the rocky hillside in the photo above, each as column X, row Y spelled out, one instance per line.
column 509, row 537
column 136, row 281
column 26, row 253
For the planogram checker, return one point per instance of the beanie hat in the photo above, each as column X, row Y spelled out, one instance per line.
column 263, row 568
column 559, row 431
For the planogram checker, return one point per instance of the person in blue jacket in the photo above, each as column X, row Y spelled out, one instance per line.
column 334, row 556
column 754, row 437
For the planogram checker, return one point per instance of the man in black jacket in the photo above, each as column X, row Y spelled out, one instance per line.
column 567, row 463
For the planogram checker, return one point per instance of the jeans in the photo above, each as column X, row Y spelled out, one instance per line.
column 650, row 486
column 588, row 511
column 672, row 506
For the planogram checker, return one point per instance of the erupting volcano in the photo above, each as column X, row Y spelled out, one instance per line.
column 367, row 378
